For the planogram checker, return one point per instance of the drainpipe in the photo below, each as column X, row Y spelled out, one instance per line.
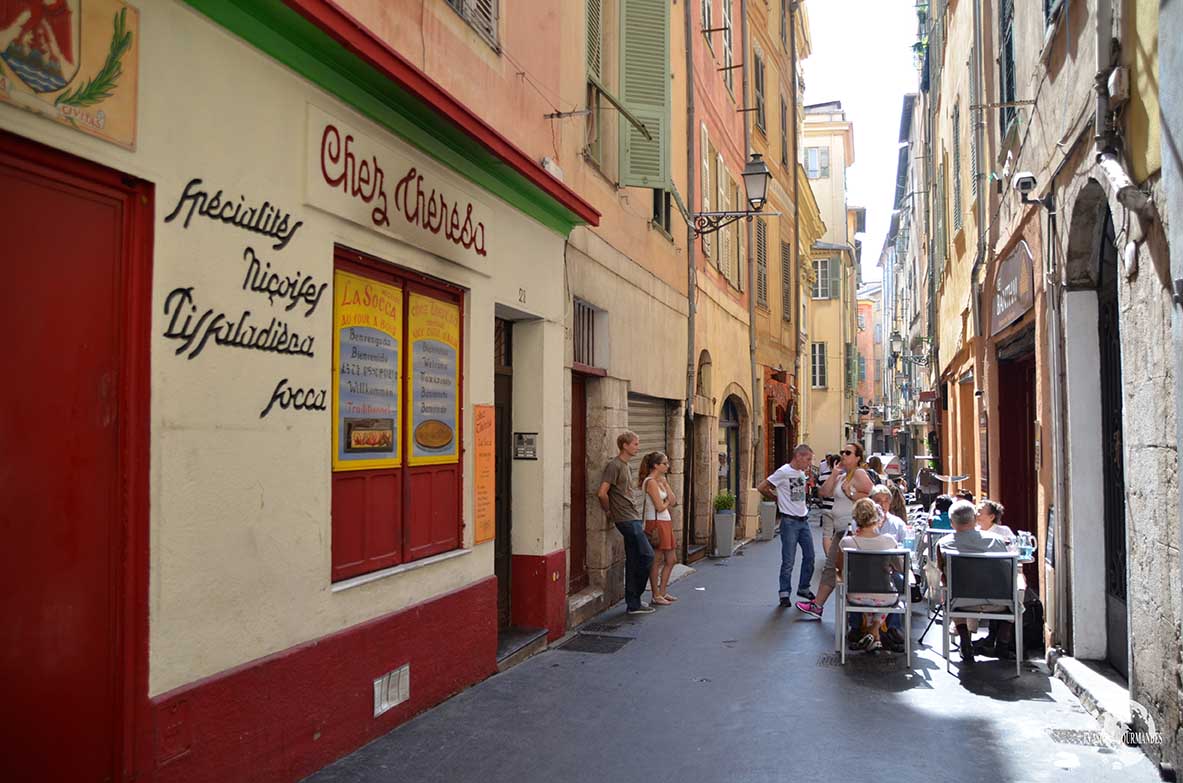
column 978, row 120
column 796, row 214
column 757, row 407
column 691, row 284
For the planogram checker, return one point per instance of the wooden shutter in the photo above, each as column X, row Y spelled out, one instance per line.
column 595, row 26
column 759, row 89
column 786, row 281
column 645, row 89
column 761, row 262
column 974, row 119
column 722, row 184
column 741, row 258
column 705, row 154
column 956, row 166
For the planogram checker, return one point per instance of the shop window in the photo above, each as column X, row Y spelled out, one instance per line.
column 397, row 398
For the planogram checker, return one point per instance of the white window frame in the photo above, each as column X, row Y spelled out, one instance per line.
column 818, row 369
column 821, row 282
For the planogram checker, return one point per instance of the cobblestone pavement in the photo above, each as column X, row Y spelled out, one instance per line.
column 726, row 686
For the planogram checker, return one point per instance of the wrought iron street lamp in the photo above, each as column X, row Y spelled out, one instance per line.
column 755, row 180
column 897, row 349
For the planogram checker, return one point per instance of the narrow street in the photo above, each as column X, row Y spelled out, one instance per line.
column 724, row 685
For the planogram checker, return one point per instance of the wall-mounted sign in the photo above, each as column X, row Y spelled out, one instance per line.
column 433, row 406
column 525, row 445
column 1014, row 289
column 484, row 468
column 73, row 61
column 367, row 332
column 928, row 396
column 385, row 189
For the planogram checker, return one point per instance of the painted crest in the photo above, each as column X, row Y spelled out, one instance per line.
column 41, row 41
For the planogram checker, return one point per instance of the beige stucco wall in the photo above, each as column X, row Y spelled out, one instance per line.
column 240, row 505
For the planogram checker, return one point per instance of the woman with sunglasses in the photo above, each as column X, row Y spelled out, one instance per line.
column 848, row 484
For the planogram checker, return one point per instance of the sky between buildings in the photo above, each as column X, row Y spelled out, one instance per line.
column 862, row 56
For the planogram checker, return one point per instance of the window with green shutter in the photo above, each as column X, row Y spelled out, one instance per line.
column 595, row 27
column 956, row 166
column 761, row 262
column 758, row 74
column 645, row 90
column 974, row 119
column 786, row 281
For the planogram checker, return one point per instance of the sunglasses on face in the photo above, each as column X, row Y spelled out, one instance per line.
column 846, row 453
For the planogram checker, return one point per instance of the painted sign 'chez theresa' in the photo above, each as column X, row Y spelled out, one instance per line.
column 352, row 175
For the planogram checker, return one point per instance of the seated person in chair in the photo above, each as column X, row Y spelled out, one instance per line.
column 965, row 538
column 867, row 538
column 940, row 512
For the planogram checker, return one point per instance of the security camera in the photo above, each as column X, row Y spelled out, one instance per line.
column 1024, row 182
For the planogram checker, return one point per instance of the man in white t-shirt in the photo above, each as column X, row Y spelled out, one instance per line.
column 787, row 487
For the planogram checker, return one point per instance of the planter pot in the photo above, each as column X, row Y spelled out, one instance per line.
column 767, row 529
column 724, row 533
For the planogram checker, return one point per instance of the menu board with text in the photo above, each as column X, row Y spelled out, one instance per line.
column 367, row 331
column 433, row 404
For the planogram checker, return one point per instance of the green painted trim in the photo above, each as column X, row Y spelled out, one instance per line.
column 283, row 34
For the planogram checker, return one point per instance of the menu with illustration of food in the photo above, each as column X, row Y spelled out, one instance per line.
column 433, row 402
column 367, row 330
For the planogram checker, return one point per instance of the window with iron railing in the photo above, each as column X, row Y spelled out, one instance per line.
column 481, row 15
column 584, row 334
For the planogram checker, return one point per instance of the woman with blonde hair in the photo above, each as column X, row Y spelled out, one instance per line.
column 848, row 484
column 659, row 527
column 867, row 538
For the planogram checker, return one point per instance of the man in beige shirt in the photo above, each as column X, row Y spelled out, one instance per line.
column 619, row 502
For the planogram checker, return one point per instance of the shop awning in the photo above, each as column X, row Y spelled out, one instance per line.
column 327, row 46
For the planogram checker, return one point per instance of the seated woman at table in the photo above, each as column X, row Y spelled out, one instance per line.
column 989, row 520
column 940, row 513
column 965, row 538
column 867, row 538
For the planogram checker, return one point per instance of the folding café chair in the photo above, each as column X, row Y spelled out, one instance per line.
column 984, row 578
column 870, row 572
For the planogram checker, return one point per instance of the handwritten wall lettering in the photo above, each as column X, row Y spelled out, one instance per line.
column 432, row 212
column 364, row 181
column 266, row 219
column 354, row 170
column 195, row 331
column 295, row 288
column 296, row 399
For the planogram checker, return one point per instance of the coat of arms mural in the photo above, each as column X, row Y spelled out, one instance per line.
column 74, row 61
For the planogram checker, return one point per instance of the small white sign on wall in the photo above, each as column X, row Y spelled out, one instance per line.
column 392, row 189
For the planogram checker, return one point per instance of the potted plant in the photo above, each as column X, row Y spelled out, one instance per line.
column 724, row 523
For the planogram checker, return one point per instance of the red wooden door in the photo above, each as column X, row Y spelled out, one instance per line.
column 578, row 569
column 66, row 245
column 1018, row 479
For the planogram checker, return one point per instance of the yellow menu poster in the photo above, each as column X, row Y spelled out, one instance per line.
column 367, row 332
column 433, row 403
column 484, row 469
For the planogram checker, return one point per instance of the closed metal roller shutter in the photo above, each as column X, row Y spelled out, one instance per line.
column 647, row 418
